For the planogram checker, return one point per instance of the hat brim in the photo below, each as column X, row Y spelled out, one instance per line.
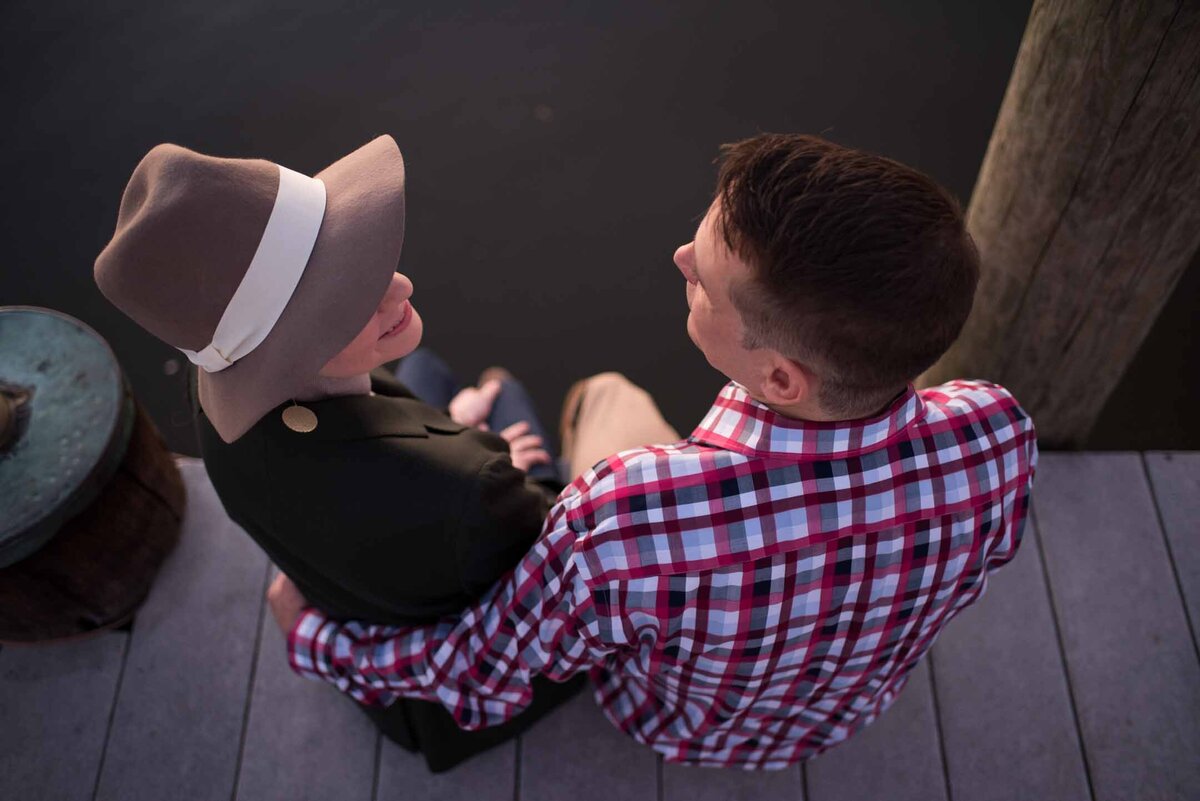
column 352, row 263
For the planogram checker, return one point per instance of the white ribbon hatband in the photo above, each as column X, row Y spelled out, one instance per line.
column 283, row 253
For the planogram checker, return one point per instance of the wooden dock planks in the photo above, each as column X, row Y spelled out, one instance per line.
column 177, row 727
column 304, row 739
column 1175, row 481
column 489, row 776
column 575, row 753
column 55, row 705
column 685, row 783
column 207, row 708
column 897, row 757
column 1130, row 657
column 1008, row 724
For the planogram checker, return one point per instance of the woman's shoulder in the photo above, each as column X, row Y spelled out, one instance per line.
column 360, row 445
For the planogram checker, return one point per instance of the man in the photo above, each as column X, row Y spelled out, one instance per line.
column 759, row 591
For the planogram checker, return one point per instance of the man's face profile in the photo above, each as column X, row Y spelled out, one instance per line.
column 714, row 323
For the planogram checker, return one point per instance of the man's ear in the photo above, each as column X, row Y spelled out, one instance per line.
column 787, row 382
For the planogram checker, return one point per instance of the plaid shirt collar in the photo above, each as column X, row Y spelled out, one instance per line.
column 738, row 422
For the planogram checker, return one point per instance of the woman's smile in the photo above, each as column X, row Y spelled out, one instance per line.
column 402, row 323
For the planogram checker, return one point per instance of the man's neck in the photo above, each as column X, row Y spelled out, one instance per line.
column 811, row 413
column 806, row 412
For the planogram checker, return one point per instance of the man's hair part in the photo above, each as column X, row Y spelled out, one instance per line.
column 861, row 267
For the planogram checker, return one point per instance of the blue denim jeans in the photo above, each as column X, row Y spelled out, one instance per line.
column 432, row 380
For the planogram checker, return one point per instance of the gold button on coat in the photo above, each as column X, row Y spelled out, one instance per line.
column 299, row 418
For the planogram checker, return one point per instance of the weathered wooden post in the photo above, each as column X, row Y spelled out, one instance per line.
column 1087, row 206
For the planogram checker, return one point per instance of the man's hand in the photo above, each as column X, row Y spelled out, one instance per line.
column 524, row 448
column 286, row 602
column 471, row 406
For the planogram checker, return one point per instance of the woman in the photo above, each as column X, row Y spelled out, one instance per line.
column 282, row 290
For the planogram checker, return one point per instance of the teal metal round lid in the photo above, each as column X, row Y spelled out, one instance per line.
column 66, row 415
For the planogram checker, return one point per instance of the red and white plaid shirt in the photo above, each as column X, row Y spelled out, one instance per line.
column 747, row 597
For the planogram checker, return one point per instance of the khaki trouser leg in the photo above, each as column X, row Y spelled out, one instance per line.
column 605, row 414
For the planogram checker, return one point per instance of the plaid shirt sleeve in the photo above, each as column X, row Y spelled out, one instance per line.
column 479, row 664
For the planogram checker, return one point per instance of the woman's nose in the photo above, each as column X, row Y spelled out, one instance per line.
column 402, row 287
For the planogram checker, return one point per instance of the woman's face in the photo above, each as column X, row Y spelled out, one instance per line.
column 393, row 331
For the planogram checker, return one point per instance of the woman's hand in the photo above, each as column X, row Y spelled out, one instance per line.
column 471, row 406
column 286, row 602
column 524, row 448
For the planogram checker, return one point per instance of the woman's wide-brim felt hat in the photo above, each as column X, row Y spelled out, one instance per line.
column 189, row 227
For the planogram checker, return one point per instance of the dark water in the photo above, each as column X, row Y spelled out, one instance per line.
column 557, row 152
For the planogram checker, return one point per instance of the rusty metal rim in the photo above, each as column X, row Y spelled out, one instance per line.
column 42, row 531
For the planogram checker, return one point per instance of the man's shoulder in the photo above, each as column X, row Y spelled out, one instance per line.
column 969, row 420
column 969, row 402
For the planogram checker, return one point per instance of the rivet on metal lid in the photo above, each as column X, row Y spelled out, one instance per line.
column 299, row 418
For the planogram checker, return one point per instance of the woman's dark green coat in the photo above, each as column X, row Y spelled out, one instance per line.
column 388, row 512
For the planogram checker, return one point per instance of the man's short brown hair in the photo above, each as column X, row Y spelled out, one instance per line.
column 862, row 269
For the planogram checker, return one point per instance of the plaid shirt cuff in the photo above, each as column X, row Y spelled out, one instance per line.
column 311, row 649
column 303, row 654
